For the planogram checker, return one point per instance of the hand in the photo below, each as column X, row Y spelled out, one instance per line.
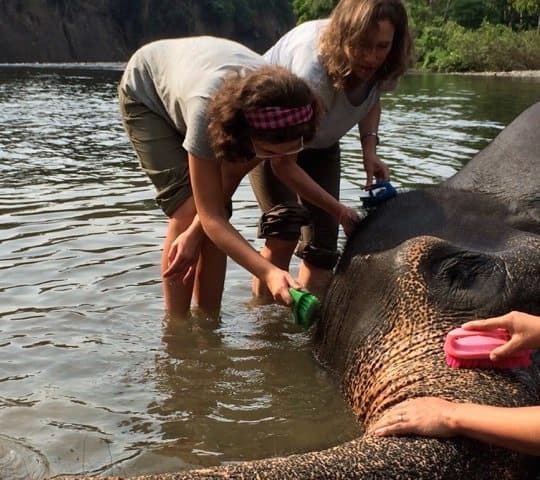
column 524, row 330
column 375, row 168
column 427, row 416
column 348, row 218
column 183, row 256
column 278, row 282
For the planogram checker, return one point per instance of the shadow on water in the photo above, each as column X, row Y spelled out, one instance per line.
column 92, row 375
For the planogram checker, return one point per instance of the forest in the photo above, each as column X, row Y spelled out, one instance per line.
column 463, row 35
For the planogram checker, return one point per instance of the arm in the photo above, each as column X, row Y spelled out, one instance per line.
column 373, row 165
column 513, row 428
column 209, row 195
column 184, row 251
column 294, row 176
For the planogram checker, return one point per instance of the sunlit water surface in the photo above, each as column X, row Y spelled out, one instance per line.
column 93, row 380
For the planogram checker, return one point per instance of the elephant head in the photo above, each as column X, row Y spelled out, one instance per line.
column 425, row 263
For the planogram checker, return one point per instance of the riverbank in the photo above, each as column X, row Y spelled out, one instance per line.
column 511, row 73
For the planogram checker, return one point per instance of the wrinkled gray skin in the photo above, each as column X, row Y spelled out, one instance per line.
column 420, row 265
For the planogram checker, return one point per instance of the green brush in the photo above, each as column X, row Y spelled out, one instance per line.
column 305, row 307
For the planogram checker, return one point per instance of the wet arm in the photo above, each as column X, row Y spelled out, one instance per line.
column 370, row 124
column 231, row 177
column 294, row 176
column 210, row 193
column 369, row 127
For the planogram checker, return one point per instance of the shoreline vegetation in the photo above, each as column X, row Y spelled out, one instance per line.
column 477, row 37
column 511, row 73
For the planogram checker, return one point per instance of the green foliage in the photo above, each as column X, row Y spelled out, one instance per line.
column 463, row 35
column 312, row 9
column 420, row 14
column 531, row 7
column 452, row 48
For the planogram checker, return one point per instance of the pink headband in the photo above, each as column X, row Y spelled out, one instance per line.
column 268, row 118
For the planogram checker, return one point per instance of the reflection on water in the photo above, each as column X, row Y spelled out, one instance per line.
column 92, row 376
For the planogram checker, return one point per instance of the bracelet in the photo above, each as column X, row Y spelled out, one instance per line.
column 370, row 134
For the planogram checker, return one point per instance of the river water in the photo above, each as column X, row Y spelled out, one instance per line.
column 93, row 379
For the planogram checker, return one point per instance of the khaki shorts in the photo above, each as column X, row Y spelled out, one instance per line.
column 283, row 217
column 159, row 149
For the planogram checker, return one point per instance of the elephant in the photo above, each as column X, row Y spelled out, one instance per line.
column 417, row 266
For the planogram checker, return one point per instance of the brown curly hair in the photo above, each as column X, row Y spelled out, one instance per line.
column 272, row 86
column 350, row 23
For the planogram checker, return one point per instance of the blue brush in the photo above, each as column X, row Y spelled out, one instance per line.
column 379, row 192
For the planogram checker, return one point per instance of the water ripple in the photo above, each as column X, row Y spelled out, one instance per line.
column 20, row 462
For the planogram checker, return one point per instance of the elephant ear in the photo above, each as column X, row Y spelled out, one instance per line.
column 509, row 167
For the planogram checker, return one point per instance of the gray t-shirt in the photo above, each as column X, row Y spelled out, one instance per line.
column 175, row 78
column 298, row 50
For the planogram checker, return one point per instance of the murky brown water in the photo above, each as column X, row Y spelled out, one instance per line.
column 91, row 378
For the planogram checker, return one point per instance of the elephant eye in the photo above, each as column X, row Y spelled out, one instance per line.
column 464, row 279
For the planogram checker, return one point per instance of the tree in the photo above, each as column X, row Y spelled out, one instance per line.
column 471, row 13
column 312, row 9
column 531, row 7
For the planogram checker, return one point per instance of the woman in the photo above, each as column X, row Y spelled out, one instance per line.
column 349, row 60
column 169, row 92
column 513, row 428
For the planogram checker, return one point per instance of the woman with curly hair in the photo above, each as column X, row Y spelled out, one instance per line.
column 349, row 60
column 201, row 112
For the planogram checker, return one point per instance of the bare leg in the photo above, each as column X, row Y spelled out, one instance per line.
column 278, row 252
column 177, row 295
column 314, row 279
column 210, row 278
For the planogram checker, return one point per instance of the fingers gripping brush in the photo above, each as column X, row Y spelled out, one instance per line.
column 380, row 192
column 306, row 307
column 471, row 349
